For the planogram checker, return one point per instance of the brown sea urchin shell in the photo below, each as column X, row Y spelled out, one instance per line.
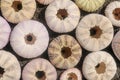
column 64, row 52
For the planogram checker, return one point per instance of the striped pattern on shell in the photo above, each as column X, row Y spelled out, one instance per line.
column 39, row 64
column 67, row 24
column 26, row 13
column 93, row 59
column 55, row 54
column 116, row 45
column 11, row 66
column 84, row 36
column 89, row 5
column 45, row 2
column 4, row 32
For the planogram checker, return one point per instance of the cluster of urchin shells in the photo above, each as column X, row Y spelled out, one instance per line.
column 31, row 38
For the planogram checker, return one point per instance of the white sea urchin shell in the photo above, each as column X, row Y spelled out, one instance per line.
column 99, row 66
column 94, row 32
column 25, row 13
column 39, row 64
column 62, row 16
column 11, row 66
column 29, row 39
column 112, row 11
column 4, row 32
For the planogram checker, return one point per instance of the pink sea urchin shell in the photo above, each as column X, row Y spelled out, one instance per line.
column 116, row 45
column 39, row 69
column 4, row 32
column 29, row 39
column 72, row 74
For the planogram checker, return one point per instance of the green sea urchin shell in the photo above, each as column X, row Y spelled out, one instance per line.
column 89, row 5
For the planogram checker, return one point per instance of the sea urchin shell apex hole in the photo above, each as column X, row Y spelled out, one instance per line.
column 100, row 68
column 17, row 5
column 95, row 32
column 62, row 14
column 72, row 76
column 30, row 38
column 1, row 72
column 40, row 75
column 116, row 13
column 66, row 52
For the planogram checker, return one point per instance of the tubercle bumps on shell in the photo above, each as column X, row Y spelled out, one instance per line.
column 59, row 58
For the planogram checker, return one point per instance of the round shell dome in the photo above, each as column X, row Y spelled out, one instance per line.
column 116, row 45
column 4, row 32
column 29, row 39
column 89, row 5
column 99, row 66
column 64, row 52
column 94, row 30
column 71, row 74
column 39, row 69
column 16, row 11
column 45, row 2
column 9, row 66
column 112, row 11
column 62, row 16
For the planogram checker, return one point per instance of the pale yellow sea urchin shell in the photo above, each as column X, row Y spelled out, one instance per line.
column 16, row 11
column 9, row 66
column 89, row 5
column 64, row 52
column 99, row 65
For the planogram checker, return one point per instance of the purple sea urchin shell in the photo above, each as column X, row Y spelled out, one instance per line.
column 4, row 32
